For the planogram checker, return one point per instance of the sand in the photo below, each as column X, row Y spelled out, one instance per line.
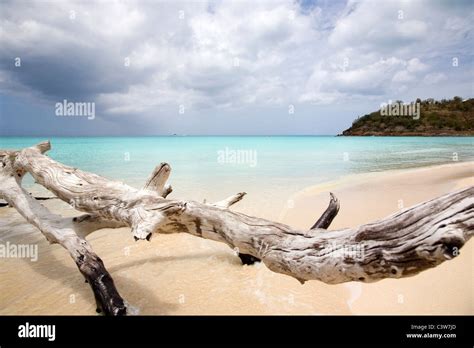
column 181, row 274
column 446, row 289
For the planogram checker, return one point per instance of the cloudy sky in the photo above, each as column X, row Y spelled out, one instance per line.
column 225, row 67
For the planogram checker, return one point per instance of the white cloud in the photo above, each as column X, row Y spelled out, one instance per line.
column 403, row 76
column 415, row 65
column 226, row 54
column 435, row 78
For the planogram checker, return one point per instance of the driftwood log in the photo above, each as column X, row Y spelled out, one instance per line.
column 400, row 245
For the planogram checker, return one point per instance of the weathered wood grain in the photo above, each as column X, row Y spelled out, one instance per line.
column 400, row 245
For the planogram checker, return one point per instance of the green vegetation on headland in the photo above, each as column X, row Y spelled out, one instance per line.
column 421, row 118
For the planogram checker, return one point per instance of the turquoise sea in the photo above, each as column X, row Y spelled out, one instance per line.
column 267, row 167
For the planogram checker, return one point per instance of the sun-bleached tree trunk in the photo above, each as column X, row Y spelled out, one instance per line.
column 400, row 245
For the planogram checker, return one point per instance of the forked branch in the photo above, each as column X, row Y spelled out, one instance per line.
column 398, row 246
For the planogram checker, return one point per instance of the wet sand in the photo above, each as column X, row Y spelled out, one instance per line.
column 446, row 289
column 182, row 274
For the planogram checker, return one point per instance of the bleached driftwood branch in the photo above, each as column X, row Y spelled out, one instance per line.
column 398, row 246
column 68, row 232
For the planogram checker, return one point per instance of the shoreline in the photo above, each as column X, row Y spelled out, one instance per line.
column 372, row 196
column 358, row 177
column 463, row 169
column 180, row 274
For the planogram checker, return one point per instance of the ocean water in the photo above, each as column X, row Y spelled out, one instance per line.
column 181, row 274
column 268, row 168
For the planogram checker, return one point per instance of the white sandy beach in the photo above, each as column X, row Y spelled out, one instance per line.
column 182, row 274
